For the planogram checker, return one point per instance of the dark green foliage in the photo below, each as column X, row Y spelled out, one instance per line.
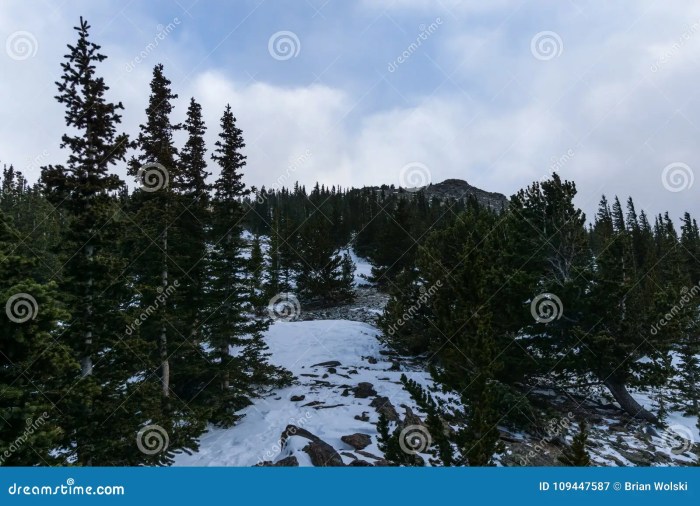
column 576, row 454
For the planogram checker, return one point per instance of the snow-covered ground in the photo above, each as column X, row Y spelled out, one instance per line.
column 299, row 346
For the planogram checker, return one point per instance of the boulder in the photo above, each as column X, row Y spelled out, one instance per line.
column 322, row 454
column 330, row 363
column 296, row 398
column 364, row 390
column 360, row 463
column 357, row 440
column 384, row 406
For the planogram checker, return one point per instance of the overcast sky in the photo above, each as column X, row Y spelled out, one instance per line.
column 495, row 92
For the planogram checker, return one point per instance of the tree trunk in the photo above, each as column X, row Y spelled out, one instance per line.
column 226, row 380
column 165, row 364
column 626, row 401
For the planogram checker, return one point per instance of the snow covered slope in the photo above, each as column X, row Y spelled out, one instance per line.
column 329, row 409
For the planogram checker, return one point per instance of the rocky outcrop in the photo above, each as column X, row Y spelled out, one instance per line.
column 364, row 390
column 321, row 453
column 384, row 407
column 357, row 441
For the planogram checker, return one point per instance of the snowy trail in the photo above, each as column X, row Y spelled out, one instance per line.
column 299, row 347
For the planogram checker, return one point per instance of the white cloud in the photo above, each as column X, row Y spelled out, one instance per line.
column 501, row 120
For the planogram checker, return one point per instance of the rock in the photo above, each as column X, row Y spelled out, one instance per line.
column 290, row 461
column 346, row 392
column 383, row 406
column 293, row 430
column 364, row 390
column 332, row 370
column 363, row 417
column 296, row 398
column 640, row 458
column 330, row 363
column 377, row 461
column 357, row 440
column 353, row 371
column 411, row 418
column 360, row 463
column 395, row 366
column 312, row 404
column 662, row 458
column 322, row 454
column 324, row 376
column 371, row 360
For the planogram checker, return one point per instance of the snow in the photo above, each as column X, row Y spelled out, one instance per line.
column 363, row 269
column 299, row 347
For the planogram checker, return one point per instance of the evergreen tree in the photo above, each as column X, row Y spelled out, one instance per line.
column 92, row 286
column 233, row 319
column 36, row 366
column 576, row 455
column 157, row 266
